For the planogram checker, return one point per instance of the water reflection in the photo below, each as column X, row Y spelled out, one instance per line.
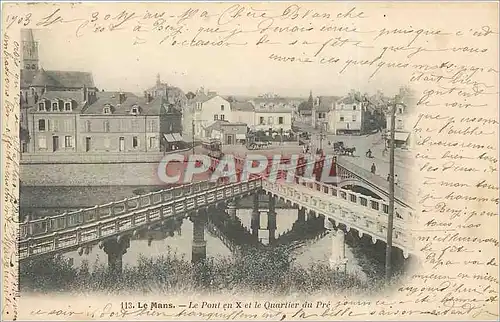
column 161, row 243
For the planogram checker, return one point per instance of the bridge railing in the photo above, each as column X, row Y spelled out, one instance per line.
column 96, row 231
column 99, row 212
column 366, row 214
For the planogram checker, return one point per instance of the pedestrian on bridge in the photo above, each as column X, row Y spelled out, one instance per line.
column 374, row 168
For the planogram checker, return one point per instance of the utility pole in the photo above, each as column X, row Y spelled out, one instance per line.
column 390, row 218
column 192, row 132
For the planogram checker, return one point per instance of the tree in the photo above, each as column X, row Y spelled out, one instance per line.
column 190, row 95
column 231, row 99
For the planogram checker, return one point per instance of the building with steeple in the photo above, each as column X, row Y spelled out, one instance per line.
column 174, row 95
column 36, row 81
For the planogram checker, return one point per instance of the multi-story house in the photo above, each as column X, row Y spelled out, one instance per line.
column 276, row 119
column 403, row 119
column 347, row 117
column 35, row 81
column 243, row 112
column 53, row 122
column 66, row 122
column 203, row 110
column 323, row 107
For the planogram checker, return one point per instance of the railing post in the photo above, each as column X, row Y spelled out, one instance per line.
column 125, row 205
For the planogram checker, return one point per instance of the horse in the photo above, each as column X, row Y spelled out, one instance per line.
column 349, row 151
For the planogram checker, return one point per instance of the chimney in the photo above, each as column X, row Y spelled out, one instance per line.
column 84, row 93
column 121, row 98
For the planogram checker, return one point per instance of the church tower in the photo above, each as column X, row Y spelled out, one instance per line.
column 30, row 50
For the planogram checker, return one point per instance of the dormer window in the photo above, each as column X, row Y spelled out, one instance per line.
column 135, row 110
column 107, row 110
column 67, row 106
column 354, row 107
column 55, row 106
column 41, row 106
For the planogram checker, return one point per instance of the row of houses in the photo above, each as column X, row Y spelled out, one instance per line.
column 207, row 109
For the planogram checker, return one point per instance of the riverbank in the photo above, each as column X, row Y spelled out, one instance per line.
column 271, row 271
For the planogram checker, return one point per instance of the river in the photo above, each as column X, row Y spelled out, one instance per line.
column 48, row 201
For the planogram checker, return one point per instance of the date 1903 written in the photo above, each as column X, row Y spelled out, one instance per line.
column 151, row 305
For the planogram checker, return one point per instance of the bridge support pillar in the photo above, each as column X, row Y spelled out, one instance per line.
column 115, row 248
column 271, row 220
column 310, row 215
column 301, row 217
column 199, row 245
column 231, row 209
column 338, row 259
column 255, row 221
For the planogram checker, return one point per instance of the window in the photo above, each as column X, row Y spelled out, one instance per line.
column 55, row 106
column 67, row 106
column 399, row 124
column 88, row 127
column 106, row 143
column 354, row 107
column 341, row 119
column 68, row 127
column 41, row 125
column 135, row 142
column 106, row 126
column 222, row 107
column 198, row 105
column 216, row 117
column 400, row 110
column 261, row 120
column 55, row 125
column 222, row 117
column 354, row 118
column 42, row 142
column 152, row 142
column 68, row 141
column 152, row 126
column 270, row 120
column 41, row 106
column 107, row 110
column 280, row 120
column 135, row 110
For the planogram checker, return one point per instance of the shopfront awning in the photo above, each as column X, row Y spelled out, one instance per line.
column 169, row 138
column 401, row 136
column 241, row 136
column 177, row 137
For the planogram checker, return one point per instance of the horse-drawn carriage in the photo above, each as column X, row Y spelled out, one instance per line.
column 340, row 148
column 254, row 144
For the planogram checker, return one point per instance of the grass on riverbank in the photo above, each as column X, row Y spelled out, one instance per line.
column 262, row 271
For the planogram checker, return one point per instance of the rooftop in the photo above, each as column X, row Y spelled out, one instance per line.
column 154, row 107
column 56, row 78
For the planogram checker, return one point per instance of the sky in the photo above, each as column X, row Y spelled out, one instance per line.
column 117, row 65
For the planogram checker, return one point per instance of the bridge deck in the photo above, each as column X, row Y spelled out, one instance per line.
column 401, row 194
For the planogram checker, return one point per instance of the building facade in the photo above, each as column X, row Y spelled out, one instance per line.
column 321, row 112
column 276, row 119
column 347, row 117
column 35, row 82
column 115, row 122
column 203, row 110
